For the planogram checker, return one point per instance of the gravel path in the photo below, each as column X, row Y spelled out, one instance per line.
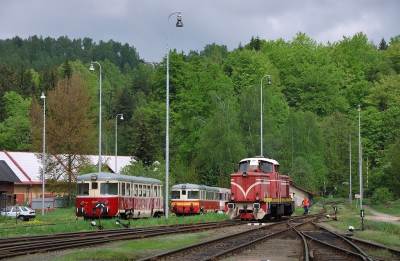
column 378, row 216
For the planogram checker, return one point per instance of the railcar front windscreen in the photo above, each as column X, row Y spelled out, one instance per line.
column 109, row 188
column 193, row 194
column 83, row 189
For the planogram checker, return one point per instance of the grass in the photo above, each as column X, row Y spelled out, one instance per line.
column 136, row 249
column 349, row 215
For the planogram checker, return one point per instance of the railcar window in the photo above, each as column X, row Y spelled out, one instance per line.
column 128, row 189
column 109, row 188
column 183, row 192
column 83, row 189
column 244, row 166
column 135, row 191
column 140, row 190
column 122, row 189
column 148, row 191
column 266, row 166
column 277, row 168
column 175, row 195
column 193, row 194
column 156, row 191
column 95, row 185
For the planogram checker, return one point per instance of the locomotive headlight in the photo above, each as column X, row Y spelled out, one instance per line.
column 106, row 202
column 82, row 203
column 232, row 198
column 231, row 205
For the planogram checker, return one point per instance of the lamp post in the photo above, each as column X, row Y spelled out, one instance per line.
column 92, row 69
column 360, row 154
column 178, row 24
column 116, row 138
column 44, row 149
column 350, row 195
column 261, row 110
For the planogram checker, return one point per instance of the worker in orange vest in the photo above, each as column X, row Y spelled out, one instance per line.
column 305, row 205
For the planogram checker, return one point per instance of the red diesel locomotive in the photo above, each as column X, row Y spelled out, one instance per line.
column 259, row 191
column 116, row 195
column 192, row 199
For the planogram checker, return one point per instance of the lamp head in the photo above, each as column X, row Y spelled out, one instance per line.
column 359, row 108
column 91, row 68
column 43, row 96
column 269, row 80
column 179, row 22
column 122, row 117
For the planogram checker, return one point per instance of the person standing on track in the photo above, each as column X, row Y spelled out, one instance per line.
column 305, row 206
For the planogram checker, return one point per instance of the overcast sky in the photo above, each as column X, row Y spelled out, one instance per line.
column 143, row 23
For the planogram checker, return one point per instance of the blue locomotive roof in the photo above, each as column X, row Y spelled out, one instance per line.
column 194, row 186
column 117, row 177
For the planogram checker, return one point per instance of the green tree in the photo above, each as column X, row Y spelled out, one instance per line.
column 69, row 131
column 14, row 130
column 383, row 45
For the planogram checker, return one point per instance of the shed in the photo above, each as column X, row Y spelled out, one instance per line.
column 7, row 179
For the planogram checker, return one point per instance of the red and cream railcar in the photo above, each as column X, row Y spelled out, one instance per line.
column 117, row 195
column 192, row 199
column 259, row 191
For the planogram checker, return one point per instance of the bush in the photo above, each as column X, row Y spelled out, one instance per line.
column 381, row 196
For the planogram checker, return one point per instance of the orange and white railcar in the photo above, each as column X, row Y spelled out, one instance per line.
column 192, row 199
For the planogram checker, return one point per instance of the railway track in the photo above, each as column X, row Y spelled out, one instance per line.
column 16, row 246
column 297, row 239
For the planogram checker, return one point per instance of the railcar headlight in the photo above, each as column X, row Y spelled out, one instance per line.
column 106, row 202
column 82, row 203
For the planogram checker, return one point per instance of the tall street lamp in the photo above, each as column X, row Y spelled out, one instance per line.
column 360, row 154
column 44, row 148
column 261, row 109
column 92, row 69
column 116, row 138
column 178, row 24
column 350, row 195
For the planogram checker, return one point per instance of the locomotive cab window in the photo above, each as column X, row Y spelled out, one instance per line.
column 265, row 166
column 243, row 166
column 109, row 188
column 83, row 189
column 95, row 185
